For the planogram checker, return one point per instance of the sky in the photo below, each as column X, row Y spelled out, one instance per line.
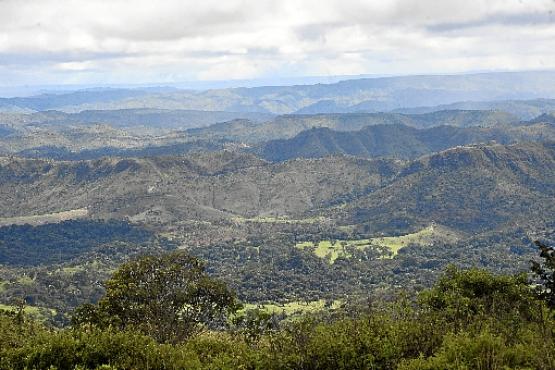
column 168, row 41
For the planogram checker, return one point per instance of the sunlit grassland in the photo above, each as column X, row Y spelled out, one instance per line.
column 332, row 250
column 73, row 214
column 38, row 313
column 278, row 220
column 294, row 307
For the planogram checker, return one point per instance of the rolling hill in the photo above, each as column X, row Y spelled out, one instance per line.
column 523, row 109
column 211, row 186
column 246, row 216
column 469, row 188
column 287, row 126
column 395, row 140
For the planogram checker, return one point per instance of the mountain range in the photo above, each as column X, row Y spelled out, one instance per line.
column 287, row 192
column 364, row 94
column 469, row 188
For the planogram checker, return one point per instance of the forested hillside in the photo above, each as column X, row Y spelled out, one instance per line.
column 304, row 229
column 396, row 141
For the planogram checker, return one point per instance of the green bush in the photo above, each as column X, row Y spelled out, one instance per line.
column 468, row 320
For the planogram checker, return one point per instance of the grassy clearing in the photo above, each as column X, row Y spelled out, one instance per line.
column 332, row 251
column 278, row 220
column 37, row 313
column 45, row 218
column 293, row 308
column 87, row 266
column 25, row 280
column 425, row 237
column 71, row 270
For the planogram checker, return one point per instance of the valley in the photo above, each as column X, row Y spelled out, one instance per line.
column 292, row 211
column 277, row 185
column 310, row 228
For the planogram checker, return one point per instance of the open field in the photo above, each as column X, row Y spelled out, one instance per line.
column 426, row 237
column 38, row 313
column 292, row 308
column 46, row 218
column 279, row 220
column 332, row 251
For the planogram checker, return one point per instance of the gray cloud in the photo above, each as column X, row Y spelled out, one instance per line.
column 88, row 41
column 500, row 19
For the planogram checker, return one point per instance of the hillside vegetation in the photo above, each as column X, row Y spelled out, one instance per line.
column 287, row 126
column 396, row 141
column 467, row 319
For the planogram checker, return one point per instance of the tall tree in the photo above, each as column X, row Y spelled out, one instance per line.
column 168, row 297
column 546, row 273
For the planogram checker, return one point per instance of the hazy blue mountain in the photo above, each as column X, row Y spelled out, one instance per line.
column 5, row 130
column 523, row 109
column 363, row 94
column 545, row 118
column 53, row 101
column 287, row 126
column 324, row 106
column 153, row 118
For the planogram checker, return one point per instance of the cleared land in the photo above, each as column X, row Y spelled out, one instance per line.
column 279, row 220
column 332, row 250
column 37, row 313
column 46, row 218
column 294, row 307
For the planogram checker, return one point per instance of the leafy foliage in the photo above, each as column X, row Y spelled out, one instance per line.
column 27, row 245
column 167, row 297
column 546, row 273
column 471, row 319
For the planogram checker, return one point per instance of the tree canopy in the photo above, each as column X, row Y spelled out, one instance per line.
column 546, row 273
column 168, row 297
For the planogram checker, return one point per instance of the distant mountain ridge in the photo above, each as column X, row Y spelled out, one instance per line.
column 523, row 109
column 52, row 101
column 287, row 126
column 544, row 118
column 364, row 94
column 146, row 132
column 395, row 140
column 163, row 119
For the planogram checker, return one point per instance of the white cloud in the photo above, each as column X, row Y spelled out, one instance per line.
column 94, row 41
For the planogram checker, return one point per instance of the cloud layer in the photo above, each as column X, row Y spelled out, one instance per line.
column 135, row 41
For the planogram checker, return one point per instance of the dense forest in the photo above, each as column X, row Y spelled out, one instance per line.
column 165, row 312
column 26, row 245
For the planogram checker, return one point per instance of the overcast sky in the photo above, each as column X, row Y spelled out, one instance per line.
column 138, row 41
